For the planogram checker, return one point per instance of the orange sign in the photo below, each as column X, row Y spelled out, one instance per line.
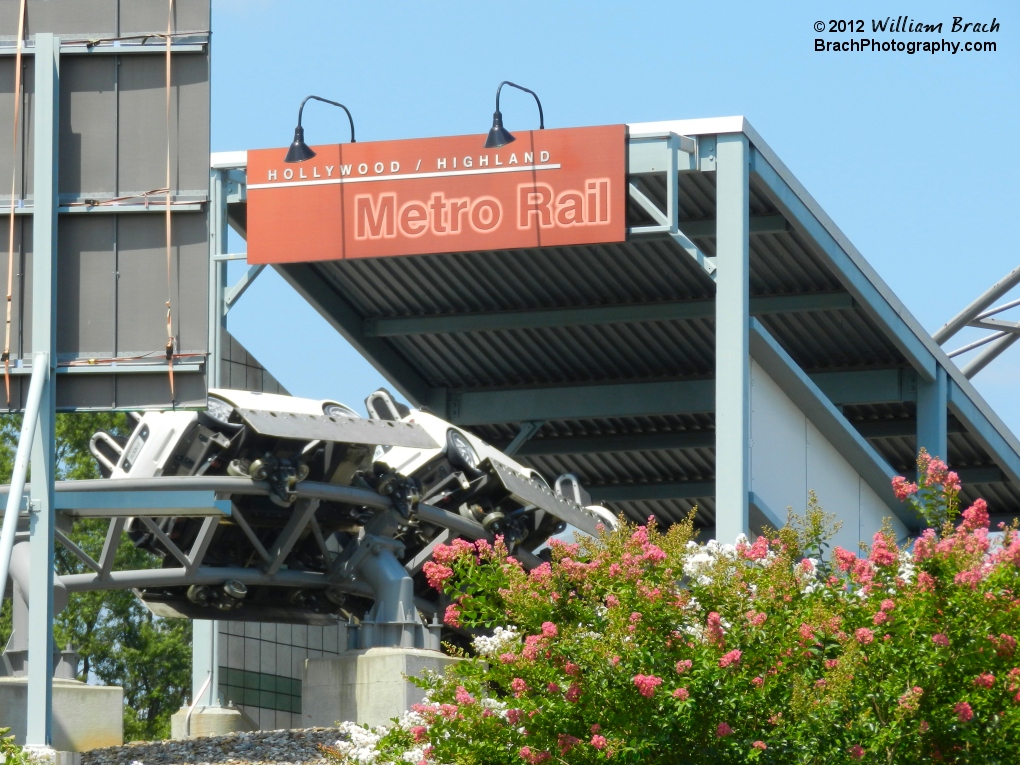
column 366, row 200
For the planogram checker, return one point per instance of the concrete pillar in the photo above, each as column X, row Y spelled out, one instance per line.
column 367, row 687
column 732, row 360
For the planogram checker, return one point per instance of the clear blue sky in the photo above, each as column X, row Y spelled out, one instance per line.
column 915, row 157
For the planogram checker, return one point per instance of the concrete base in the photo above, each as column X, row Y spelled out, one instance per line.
column 366, row 687
column 209, row 721
column 84, row 716
column 47, row 755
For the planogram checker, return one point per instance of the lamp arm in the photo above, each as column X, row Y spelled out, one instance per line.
column 326, row 101
column 541, row 117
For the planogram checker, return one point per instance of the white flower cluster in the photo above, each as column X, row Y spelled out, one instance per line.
column 502, row 640
column 906, row 570
column 414, row 755
column 702, row 559
column 361, row 743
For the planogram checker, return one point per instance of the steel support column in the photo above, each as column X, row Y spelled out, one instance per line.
column 205, row 671
column 44, row 285
column 205, row 684
column 732, row 361
column 217, row 273
column 932, row 414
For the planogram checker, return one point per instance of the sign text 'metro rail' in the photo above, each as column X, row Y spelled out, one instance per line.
column 550, row 187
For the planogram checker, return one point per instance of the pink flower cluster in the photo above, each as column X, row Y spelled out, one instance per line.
column 566, row 742
column 756, row 618
column 910, row 700
column 452, row 615
column 882, row 554
column 861, row 571
column 683, row 665
column 984, row 680
column 459, row 548
column 1005, row 645
column 758, row 551
column 646, row 684
column 976, row 516
column 864, row 636
column 731, row 658
column 713, row 630
column 534, row 758
column 963, row 710
column 902, row 488
column 437, row 574
column 682, row 694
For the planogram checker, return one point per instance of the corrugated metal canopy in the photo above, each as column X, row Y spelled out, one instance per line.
column 449, row 325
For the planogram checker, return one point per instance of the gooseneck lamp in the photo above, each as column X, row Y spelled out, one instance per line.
column 299, row 151
column 499, row 135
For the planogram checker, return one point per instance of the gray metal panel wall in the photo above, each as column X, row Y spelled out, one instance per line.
column 240, row 370
column 111, row 271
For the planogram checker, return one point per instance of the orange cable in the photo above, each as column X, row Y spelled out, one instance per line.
column 14, row 184
column 169, row 255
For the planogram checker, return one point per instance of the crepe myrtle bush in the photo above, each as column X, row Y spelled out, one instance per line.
column 647, row 647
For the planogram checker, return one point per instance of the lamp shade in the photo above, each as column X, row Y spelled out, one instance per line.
column 299, row 151
column 498, row 135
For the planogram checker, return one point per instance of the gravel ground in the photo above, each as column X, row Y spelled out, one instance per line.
column 266, row 747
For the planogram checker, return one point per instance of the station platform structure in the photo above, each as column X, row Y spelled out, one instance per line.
column 733, row 354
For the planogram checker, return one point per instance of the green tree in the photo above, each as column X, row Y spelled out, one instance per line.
column 119, row 642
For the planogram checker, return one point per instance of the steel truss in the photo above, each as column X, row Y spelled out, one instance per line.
column 155, row 502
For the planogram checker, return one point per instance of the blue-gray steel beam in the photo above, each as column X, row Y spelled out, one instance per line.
column 118, row 368
column 989, row 354
column 241, row 285
column 648, row 399
column 44, row 335
column 759, row 225
column 732, row 362
column 204, row 664
column 638, row 442
column 13, row 501
column 761, row 515
column 217, row 275
column 526, row 433
column 869, row 386
column 660, row 490
column 883, row 309
column 594, row 316
column 345, row 320
column 978, row 426
column 971, row 476
column 154, row 504
column 204, row 633
column 194, row 44
column 977, row 306
column 933, row 415
column 581, row 402
column 896, row 428
column 117, row 209
column 830, row 422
